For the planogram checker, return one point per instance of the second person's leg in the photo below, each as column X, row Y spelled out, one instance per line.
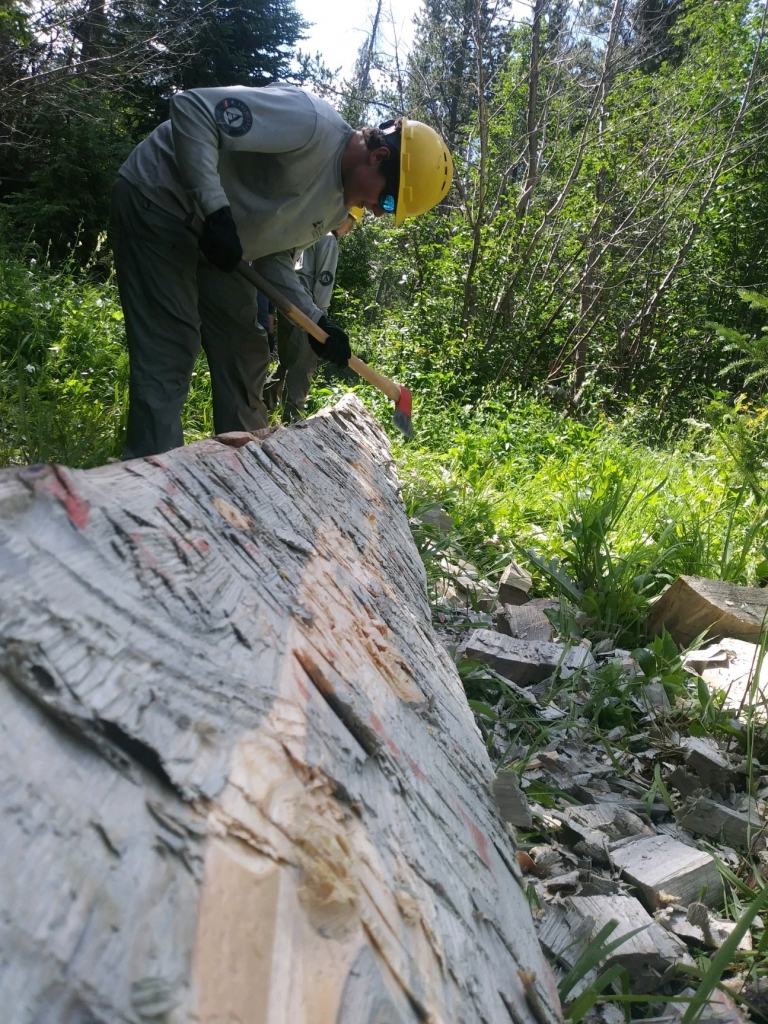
column 300, row 366
column 237, row 348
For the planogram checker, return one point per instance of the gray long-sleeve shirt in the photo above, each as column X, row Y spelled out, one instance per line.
column 272, row 154
column 316, row 268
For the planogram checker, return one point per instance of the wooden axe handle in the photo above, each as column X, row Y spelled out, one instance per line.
column 384, row 384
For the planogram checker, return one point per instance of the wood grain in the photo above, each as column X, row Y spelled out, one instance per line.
column 240, row 780
column 694, row 605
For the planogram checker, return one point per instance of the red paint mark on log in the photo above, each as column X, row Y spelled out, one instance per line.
column 480, row 840
column 375, row 722
column 202, row 545
column 302, row 688
column 415, row 769
column 60, row 486
column 78, row 510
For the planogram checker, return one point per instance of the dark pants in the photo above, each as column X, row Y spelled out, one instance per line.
column 174, row 301
column 290, row 383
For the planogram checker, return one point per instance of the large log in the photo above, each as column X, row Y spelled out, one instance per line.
column 240, row 780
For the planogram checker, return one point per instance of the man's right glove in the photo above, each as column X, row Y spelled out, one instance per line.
column 336, row 347
column 219, row 242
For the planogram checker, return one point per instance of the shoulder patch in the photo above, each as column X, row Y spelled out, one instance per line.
column 325, row 278
column 233, row 117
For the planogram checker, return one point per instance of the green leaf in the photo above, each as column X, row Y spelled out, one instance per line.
column 597, row 950
column 702, row 692
column 482, row 709
column 587, row 999
column 554, row 569
column 722, row 958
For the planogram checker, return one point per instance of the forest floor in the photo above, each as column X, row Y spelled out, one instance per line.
column 633, row 769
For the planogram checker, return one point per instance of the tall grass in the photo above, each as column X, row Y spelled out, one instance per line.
column 617, row 515
column 64, row 367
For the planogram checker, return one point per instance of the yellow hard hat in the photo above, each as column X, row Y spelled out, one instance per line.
column 426, row 170
column 356, row 212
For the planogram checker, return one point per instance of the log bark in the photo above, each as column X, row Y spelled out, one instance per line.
column 240, row 780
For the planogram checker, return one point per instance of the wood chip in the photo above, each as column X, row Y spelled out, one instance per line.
column 514, row 585
column 525, row 661
column 675, row 920
column 649, row 957
column 511, row 800
column 707, row 818
column 705, row 759
column 661, row 866
column 526, row 622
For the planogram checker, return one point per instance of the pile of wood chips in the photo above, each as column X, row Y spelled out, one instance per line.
column 626, row 826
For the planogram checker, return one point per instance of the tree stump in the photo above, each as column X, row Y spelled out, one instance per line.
column 240, row 780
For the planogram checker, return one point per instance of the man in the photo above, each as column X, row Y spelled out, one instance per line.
column 316, row 268
column 268, row 171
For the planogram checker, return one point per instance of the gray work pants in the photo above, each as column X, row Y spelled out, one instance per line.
column 298, row 363
column 174, row 300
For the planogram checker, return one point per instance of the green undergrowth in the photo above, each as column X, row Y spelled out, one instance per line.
column 596, row 511
column 64, row 366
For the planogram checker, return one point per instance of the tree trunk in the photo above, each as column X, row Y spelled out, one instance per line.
column 240, row 780
column 532, row 133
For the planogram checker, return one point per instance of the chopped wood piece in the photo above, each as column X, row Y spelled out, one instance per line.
column 675, row 920
column 239, row 779
column 551, row 860
column 598, row 824
column 684, row 782
column 705, row 759
column 661, row 867
column 463, row 587
column 648, row 957
column 514, row 585
column 652, row 698
column 437, row 516
column 568, row 883
column 693, row 605
column 526, row 622
column 719, row 1009
column 511, row 800
column 730, row 666
column 613, row 819
column 708, row 818
column 525, row 661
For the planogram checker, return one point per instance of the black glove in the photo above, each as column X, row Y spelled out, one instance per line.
column 219, row 242
column 336, row 348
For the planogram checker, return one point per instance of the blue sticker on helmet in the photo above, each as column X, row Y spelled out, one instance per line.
column 233, row 117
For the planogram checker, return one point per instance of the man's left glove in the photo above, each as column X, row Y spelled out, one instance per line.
column 336, row 348
column 219, row 242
